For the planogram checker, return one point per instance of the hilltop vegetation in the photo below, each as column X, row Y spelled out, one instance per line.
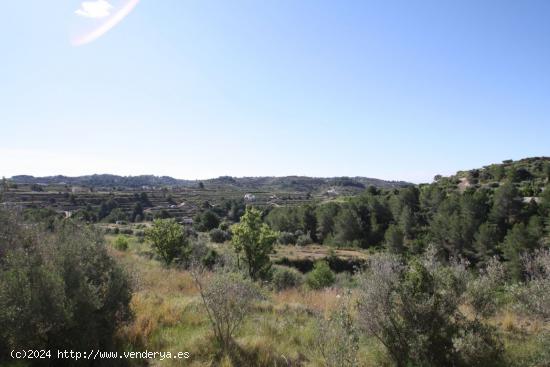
column 293, row 183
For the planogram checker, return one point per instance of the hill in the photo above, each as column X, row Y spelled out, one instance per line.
column 291, row 183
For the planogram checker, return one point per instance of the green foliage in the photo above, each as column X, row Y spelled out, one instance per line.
column 121, row 243
column 519, row 240
column 58, row 290
column 321, row 276
column 207, row 221
column 253, row 241
column 168, row 240
column 414, row 312
column 285, row 277
column 394, row 239
column 219, row 235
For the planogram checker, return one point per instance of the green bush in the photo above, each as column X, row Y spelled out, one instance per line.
column 219, row 236
column 127, row 231
column 121, row 243
column 285, row 277
column 303, row 240
column 321, row 276
column 286, row 238
column 58, row 289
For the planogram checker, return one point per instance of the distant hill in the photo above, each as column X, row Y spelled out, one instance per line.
column 291, row 183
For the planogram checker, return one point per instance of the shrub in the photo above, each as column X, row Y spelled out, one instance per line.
column 285, row 277
column 286, row 238
column 414, row 312
column 219, row 236
column 126, row 231
column 533, row 297
column 228, row 299
column 58, row 290
column 121, row 243
column 304, row 239
column 337, row 339
column 321, row 276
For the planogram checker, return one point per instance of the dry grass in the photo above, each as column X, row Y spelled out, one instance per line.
column 323, row 300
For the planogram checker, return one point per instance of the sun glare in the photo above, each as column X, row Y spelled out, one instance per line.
column 102, row 9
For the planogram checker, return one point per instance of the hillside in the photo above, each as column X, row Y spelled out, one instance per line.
column 529, row 175
column 293, row 183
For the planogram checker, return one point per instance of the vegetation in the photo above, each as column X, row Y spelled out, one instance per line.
column 453, row 273
column 168, row 240
column 321, row 276
column 253, row 242
column 59, row 288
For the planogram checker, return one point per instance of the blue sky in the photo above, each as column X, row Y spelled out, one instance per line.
column 197, row 89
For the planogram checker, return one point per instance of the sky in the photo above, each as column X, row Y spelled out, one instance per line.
column 399, row 90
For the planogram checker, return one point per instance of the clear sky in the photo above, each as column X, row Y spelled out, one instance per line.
column 197, row 89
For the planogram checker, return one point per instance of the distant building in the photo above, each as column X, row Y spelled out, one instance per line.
column 332, row 192
column 249, row 197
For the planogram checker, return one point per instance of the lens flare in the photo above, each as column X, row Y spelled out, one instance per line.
column 106, row 25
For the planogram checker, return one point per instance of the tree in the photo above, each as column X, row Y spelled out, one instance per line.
column 168, row 240
column 347, row 227
column 394, row 238
column 137, row 212
column 521, row 240
column 321, row 276
column 485, row 245
column 326, row 214
column 309, row 222
column 207, row 220
column 253, row 240
column 505, row 208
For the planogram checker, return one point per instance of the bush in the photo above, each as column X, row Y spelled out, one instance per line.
column 337, row 339
column 285, row 277
column 121, row 243
column 58, row 290
column 304, row 239
column 228, row 299
column 286, row 238
column 127, row 231
column 321, row 276
column 413, row 310
column 219, row 236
